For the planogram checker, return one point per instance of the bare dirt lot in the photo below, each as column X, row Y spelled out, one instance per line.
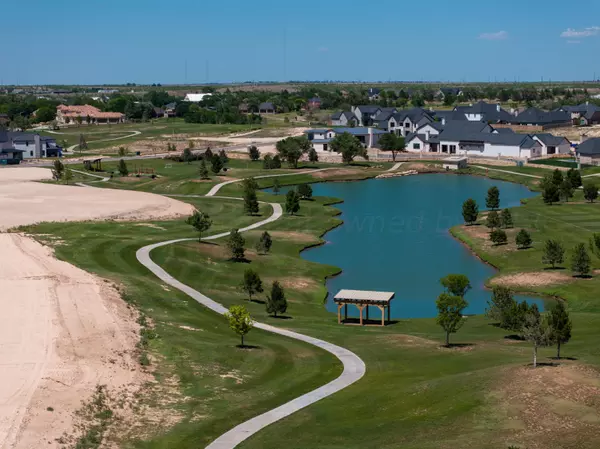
column 25, row 202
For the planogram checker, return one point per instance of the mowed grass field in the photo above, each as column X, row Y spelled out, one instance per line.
column 480, row 394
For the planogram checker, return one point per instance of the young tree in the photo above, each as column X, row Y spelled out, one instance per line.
column 456, row 284
column 305, row 191
column 498, row 237
column 82, row 143
column 264, row 244
column 595, row 244
column 276, row 302
column 590, row 192
column 267, row 162
column 224, row 158
column 200, row 221
column 560, row 325
column 191, row 144
column 254, row 153
column 348, row 146
column 313, row 156
column 58, row 170
column 208, row 154
column 235, row 245
column 187, row 156
column 68, row 175
column 493, row 220
column 506, row 220
column 550, row 194
column 392, row 143
column 216, row 164
column 557, row 178
column 580, row 261
column 501, row 305
column 239, row 321
column 252, row 283
column 470, row 211
column 492, row 200
column 566, row 190
column 250, row 202
column 123, row 168
column 276, row 186
column 250, row 184
column 523, row 239
column 450, row 310
column 292, row 202
column 537, row 331
column 202, row 170
column 553, row 253
column 276, row 162
column 574, row 177
column 122, row 151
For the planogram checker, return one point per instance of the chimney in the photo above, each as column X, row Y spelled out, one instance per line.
column 38, row 146
column 443, row 121
column 498, row 107
column 427, row 135
column 370, row 141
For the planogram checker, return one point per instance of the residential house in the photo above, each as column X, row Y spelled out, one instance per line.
column 159, row 112
column 583, row 114
column 314, row 103
column 538, row 117
column 170, row 110
column 70, row 114
column 374, row 94
column 321, row 138
column 588, row 151
column 266, row 108
column 454, row 91
column 552, row 144
column 482, row 111
column 366, row 114
column 4, row 120
column 8, row 153
column 30, row 145
column 404, row 122
column 196, row 97
column 344, row 118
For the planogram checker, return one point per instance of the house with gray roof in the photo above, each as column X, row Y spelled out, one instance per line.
column 33, row 145
column 552, row 144
column 374, row 94
column 482, row 111
column 443, row 91
column 546, row 119
column 584, row 114
column 405, row 121
column 266, row 108
column 344, row 118
column 366, row 113
column 588, row 151
column 9, row 155
column 321, row 138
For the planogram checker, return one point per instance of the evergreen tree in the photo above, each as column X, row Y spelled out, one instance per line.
column 187, row 156
column 470, row 211
column 267, row 162
column 208, row 154
column 68, row 176
column 264, row 244
column 252, row 283
column 235, row 245
column 305, row 191
column 498, row 237
column 276, row 186
column 574, row 177
column 580, row 260
column 595, row 244
column 590, row 192
column 506, row 220
column 550, row 194
column 224, row 158
column 492, row 200
column 254, row 153
column 450, row 316
column 250, row 202
column 292, row 202
column 501, row 305
column 276, row 162
column 276, row 302
column 566, row 190
column 216, row 164
column 493, row 220
column 523, row 239
column 313, row 156
column 553, row 253
column 560, row 325
column 123, row 168
column 202, row 170
column 58, row 170
column 557, row 178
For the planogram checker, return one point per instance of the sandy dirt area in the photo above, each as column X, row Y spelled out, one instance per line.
column 62, row 332
column 534, row 279
column 25, row 202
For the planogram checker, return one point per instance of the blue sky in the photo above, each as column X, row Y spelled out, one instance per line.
column 149, row 41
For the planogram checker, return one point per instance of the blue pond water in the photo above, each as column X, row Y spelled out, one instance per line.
column 395, row 238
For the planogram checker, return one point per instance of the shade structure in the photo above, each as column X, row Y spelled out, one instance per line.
column 362, row 299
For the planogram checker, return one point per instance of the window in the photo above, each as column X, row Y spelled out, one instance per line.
column 452, row 148
column 444, row 148
column 31, row 153
column 416, row 146
column 407, row 124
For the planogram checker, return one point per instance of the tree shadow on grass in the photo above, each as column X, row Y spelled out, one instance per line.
column 458, row 346
column 582, row 276
column 571, row 359
column 247, row 347
column 244, row 260
column 281, row 317
column 258, row 301
column 554, row 268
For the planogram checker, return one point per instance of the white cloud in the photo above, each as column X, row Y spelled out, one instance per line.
column 498, row 36
column 573, row 42
column 586, row 32
column 323, row 49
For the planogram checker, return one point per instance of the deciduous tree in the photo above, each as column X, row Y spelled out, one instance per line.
column 276, row 301
column 580, row 260
column 57, row 170
column 554, row 253
column 450, row 310
column 68, row 176
column 560, row 325
column 590, row 192
column 574, row 176
column 392, row 143
column 264, row 244
column 500, row 306
column 566, row 190
column 292, row 202
column 203, row 170
column 235, row 245
column 470, row 211
column 537, row 331
column 200, row 221
column 456, row 284
column 252, row 284
column 187, row 156
column 239, row 321
column 492, row 220
column 506, row 220
column 291, row 149
column 492, row 201
column 498, row 237
column 216, row 164
column 523, row 239
column 305, row 191
column 313, row 156
column 348, row 146
column 123, row 168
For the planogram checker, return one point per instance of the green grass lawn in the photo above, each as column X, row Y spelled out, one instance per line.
column 415, row 394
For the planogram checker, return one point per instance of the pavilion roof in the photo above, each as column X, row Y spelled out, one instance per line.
column 364, row 296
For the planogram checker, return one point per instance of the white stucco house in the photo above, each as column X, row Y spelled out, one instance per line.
column 552, row 144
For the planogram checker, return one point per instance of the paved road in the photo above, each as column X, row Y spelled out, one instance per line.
column 354, row 367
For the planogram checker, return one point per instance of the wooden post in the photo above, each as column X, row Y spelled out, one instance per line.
column 339, row 314
column 367, row 307
column 388, row 306
column 382, row 308
column 360, row 310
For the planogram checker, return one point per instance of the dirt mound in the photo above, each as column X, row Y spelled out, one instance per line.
column 534, row 279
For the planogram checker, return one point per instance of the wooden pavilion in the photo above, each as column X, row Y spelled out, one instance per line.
column 93, row 163
column 362, row 299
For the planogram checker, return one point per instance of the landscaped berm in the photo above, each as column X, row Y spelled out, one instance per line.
column 101, row 352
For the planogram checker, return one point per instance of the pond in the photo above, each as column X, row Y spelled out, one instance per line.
column 395, row 238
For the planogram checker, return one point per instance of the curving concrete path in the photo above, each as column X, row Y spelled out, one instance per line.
column 354, row 367
column 72, row 147
column 218, row 187
column 508, row 171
